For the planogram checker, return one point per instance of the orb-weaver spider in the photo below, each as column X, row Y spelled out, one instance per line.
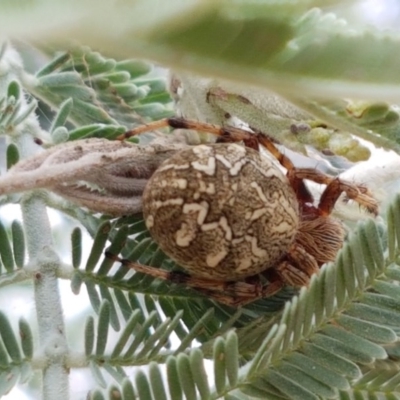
column 228, row 215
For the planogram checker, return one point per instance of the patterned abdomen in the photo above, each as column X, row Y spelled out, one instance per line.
column 221, row 211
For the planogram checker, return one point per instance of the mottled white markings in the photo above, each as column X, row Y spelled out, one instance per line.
column 293, row 212
column 203, row 188
column 175, row 183
column 258, row 213
column 283, row 227
column 259, row 191
column 184, row 235
column 210, row 189
column 233, row 169
column 202, row 150
column 179, row 183
column 208, row 168
column 244, row 264
column 210, row 226
column 150, row 221
column 237, row 167
column 212, row 260
column 269, row 170
column 170, row 202
column 223, row 160
column 173, row 166
column 260, row 253
column 223, row 223
column 166, row 167
column 236, row 148
column 201, row 208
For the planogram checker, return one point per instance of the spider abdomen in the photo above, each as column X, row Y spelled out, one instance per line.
column 221, row 211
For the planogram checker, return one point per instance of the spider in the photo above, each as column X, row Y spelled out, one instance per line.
column 239, row 227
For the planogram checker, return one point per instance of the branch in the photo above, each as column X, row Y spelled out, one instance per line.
column 105, row 176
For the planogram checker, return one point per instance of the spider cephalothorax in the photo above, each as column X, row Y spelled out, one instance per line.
column 228, row 215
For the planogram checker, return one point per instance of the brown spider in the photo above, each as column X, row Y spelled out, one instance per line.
column 229, row 216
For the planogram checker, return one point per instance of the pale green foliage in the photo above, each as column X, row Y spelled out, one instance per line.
column 338, row 338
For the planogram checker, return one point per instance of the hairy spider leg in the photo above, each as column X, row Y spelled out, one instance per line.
column 230, row 132
column 230, row 293
column 295, row 271
column 335, row 186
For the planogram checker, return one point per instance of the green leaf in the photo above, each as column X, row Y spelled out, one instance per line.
column 5, row 250
column 143, row 386
column 332, row 361
column 53, row 65
column 106, row 295
column 232, row 358
column 199, row 373
column 127, row 390
column 319, row 372
column 98, row 245
column 123, row 304
column 76, row 282
column 368, row 330
column 103, row 327
column 62, row 115
column 9, row 339
column 93, row 295
column 96, row 373
column 173, row 378
column 374, row 314
column 115, row 248
column 18, row 241
column 355, row 342
column 126, row 333
column 4, row 358
column 219, row 365
column 89, row 336
column 186, row 376
column 140, row 334
column 76, row 244
column 14, row 90
column 26, row 338
column 289, row 387
column 156, row 380
column 12, row 155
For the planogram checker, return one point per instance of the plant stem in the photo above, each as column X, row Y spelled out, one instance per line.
column 42, row 256
column 47, row 297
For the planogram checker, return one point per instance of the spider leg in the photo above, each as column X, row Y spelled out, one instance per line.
column 297, row 267
column 230, row 293
column 302, row 192
column 230, row 133
column 334, row 188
